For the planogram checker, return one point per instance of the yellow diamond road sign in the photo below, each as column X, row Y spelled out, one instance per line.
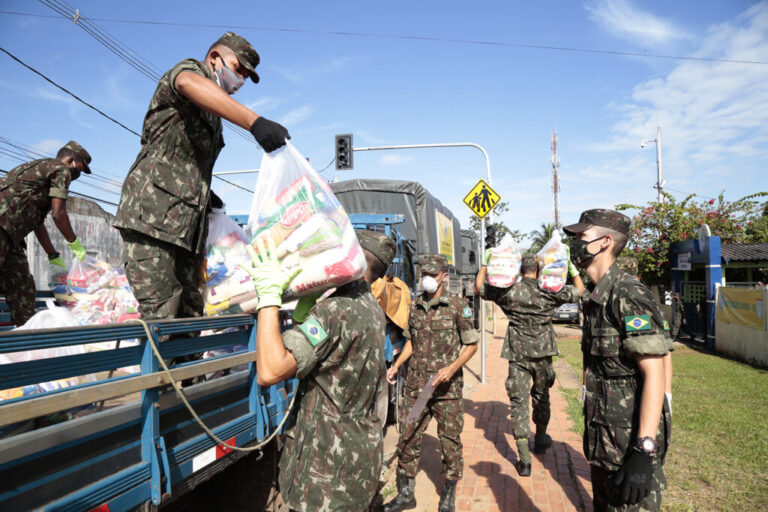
column 481, row 199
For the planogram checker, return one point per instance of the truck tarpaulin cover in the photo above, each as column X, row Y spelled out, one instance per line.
column 409, row 198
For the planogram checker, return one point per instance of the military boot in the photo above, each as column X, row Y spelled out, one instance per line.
column 405, row 499
column 448, row 497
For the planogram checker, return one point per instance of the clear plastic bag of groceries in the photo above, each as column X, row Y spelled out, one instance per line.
column 295, row 207
column 504, row 263
column 553, row 264
column 224, row 248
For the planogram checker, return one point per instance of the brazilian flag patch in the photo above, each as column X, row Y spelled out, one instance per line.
column 637, row 323
column 666, row 325
column 313, row 331
column 467, row 312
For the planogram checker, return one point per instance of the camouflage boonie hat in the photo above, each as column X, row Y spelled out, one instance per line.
column 528, row 260
column 378, row 244
column 600, row 217
column 80, row 153
column 433, row 263
column 246, row 55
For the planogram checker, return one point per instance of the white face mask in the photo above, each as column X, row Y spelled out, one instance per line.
column 430, row 284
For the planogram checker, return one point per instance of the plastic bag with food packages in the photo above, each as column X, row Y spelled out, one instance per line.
column 504, row 263
column 295, row 208
column 553, row 264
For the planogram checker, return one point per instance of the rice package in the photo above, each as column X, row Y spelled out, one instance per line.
column 296, row 209
column 504, row 263
column 553, row 264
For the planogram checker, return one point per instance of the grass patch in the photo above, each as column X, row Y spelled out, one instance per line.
column 718, row 458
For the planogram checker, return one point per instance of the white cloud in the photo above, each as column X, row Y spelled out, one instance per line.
column 303, row 74
column 49, row 146
column 627, row 21
column 395, row 159
column 712, row 116
column 296, row 116
column 264, row 104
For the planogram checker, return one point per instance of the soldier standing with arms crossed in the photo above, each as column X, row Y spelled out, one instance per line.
column 529, row 346
column 627, row 421
column 442, row 340
column 27, row 193
column 333, row 455
column 162, row 213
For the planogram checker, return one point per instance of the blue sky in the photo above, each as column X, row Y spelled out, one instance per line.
column 394, row 90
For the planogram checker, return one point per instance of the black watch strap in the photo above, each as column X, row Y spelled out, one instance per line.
column 646, row 445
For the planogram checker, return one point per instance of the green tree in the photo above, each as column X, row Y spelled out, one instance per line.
column 501, row 228
column 657, row 225
column 541, row 236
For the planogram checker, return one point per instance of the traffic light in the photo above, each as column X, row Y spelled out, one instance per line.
column 490, row 236
column 343, row 144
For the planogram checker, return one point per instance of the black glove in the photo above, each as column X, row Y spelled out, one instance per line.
column 633, row 480
column 269, row 134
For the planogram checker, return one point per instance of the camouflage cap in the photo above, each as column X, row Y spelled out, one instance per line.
column 246, row 55
column 433, row 263
column 378, row 244
column 528, row 260
column 80, row 153
column 600, row 217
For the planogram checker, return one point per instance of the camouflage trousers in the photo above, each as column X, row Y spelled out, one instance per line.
column 16, row 282
column 606, row 499
column 164, row 278
column 450, row 422
column 517, row 384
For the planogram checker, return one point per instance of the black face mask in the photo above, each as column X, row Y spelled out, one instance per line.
column 580, row 256
column 74, row 172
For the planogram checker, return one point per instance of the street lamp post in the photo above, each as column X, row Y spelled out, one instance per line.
column 659, row 186
column 482, row 221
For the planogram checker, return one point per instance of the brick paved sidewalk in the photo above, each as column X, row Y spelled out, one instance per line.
column 559, row 479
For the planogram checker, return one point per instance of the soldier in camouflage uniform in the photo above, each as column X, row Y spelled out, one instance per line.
column 529, row 346
column 27, row 193
column 162, row 213
column 333, row 455
column 440, row 340
column 627, row 421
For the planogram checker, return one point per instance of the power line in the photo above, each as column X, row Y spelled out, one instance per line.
column 66, row 90
column 327, row 166
column 234, row 184
column 133, row 59
column 411, row 38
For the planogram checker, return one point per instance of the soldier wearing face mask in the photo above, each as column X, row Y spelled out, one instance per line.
column 441, row 340
column 27, row 193
column 162, row 213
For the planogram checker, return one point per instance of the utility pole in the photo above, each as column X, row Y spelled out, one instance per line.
column 555, row 178
column 659, row 186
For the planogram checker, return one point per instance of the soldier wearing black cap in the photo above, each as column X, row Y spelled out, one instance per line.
column 27, row 193
column 627, row 421
column 529, row 345
column 162, row 213
column 334, row 452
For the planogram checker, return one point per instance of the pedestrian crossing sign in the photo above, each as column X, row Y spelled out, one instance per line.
column 481, row 199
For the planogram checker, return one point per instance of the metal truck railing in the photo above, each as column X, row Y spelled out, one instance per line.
column 143, row 452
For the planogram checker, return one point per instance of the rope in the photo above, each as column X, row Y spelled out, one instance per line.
column 192, row 411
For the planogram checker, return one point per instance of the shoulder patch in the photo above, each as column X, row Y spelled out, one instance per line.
column 637, row 323
column 467, row 312
column 313, row 331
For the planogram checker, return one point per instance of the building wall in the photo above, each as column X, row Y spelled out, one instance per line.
column 94, row 227
column 744, row 343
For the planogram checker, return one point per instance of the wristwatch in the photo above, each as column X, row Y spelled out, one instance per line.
column 646, row 445
column 53, row 255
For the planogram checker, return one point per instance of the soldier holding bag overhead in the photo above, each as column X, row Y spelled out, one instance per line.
column 162, row 213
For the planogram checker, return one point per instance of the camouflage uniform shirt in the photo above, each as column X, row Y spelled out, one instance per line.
column 438, row 328
column 621, row 321
column 26, row 192
column 529, row 310
column 166, row 191
column 333, row 456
